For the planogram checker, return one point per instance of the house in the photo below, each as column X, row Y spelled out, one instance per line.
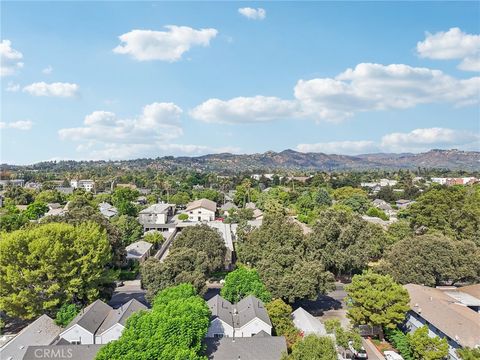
column 402, row 203
column 257, row 213
column 107, row 210
column 14, row 182
column 243, row 319
column 139, row 250
column 384, row 206
column 42, row 331
column 33, row 185
column 225, row 208
column 307, row 323
column 201, row 210
column 87, row 185
column 388, row 182
column 99, row 323
column 65, row 190
column 156, row 217
column 56, row 209
column 70, row 352
column 452, row 314
column 261, row 346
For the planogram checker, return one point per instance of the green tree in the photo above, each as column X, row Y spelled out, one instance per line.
column 48, row 265
column 183, row 217
column 348, row 192
column 374, row 299
column 386, row 193
column 313, row 348
column 50, row 196
column 35, row 210
column 398, row 231
column 425, row 347
column 66, row 314
column 469, row 354
column 154, row 237
column 399, row 340
column 131, row 230
column 19, row 195
column 280, row 315
column 243, row 282
column 122, row 199
column 432, row 260
column 11, row 218
column 180, row 198
column 375, row 212
column 173, row 329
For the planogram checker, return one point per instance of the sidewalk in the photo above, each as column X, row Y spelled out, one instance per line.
column 372, row 351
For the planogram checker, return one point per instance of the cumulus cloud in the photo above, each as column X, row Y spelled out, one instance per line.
column 17, row 125
column 417, row 140
column 367, row 87
column 10, row 59
column 254, row 14
column 57, row 89
column 425, row 139
column 170, row 45
column 452, row 44
column 340, row 147
column 245, row 109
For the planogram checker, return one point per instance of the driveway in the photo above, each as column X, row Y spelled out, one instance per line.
column 373, row 353
column 130, row 290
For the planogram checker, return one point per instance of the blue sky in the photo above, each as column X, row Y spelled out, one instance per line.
column 245, row 77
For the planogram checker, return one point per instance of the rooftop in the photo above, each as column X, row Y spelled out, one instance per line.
column 157, row 209
column 203, row 203
column 246, row 348
column 120, row 315
column 91, row 317
column 138, row 248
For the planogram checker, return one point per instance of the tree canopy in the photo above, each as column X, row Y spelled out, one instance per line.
column 313, row 347
column 243, row 282
column 45, row 266
column 424, row 347
column 374, row 299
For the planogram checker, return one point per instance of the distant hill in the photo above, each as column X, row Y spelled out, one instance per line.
column 287, row 160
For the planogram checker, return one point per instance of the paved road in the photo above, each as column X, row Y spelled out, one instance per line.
column 373, row 353
column 130, row 290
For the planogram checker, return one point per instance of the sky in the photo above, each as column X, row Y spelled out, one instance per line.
column 125, row 80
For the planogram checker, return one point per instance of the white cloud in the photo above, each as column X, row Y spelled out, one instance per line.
column 425, row 139
column 56, row 89
column 48, row 70
column 10, row 59
column 12, row 87
column 18, row 125
column 452, row 44
column 254, row 14
column 167, row 45
column 340, row 147
column 367, row 87
column 245, row 109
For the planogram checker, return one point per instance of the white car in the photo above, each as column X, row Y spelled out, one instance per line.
column 392, row 355
column 357, row 354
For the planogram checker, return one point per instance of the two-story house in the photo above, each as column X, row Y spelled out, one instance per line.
column 156, row 217
column 201, row 210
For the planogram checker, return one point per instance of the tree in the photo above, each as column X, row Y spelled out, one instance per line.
column 375, row 212
column 432, row 260
column 122, row 199
column 400, row 342
column 374, row 299
column 398, row 231
column 425, row 347
column 35, row 210
column 342, row 336
column 469, row 354
column 453, row 210
column 173, row 329
column 48, row 265
column 154, row 237
column 386, row 193
column 183, row 217
column 348, row 192
column 358, row 203
column 50, row 196
column 280, row 315
column 344, row 242
column 243, row 282
column 66, row 314
column 19, row 195
column 131, row 230
column 313, row 348
column 11, row 218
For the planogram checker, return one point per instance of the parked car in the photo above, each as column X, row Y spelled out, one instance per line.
column 357, row 354
column 392, row 355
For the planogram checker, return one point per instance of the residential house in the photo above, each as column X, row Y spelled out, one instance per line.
column 107, row 210
column 246, row 318
column 307, row 323
column 402, row 203
column 65, row 190
column 56, row 209
column 257, row 213
column 87, row 185
column 13, row 182
column 99, row 323
column 42, row 331
column 33, row 185
column 384, row 206
column 157, row 217
column 261, row 346
column 139, row 250
column 201, row 210
column 388, row 182
column 452, row 314
column 225, row 208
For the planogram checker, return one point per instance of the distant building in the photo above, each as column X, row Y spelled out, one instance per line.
column 201, row 210
column 65, row 190
column 246, row 318
column 33, row 185
column 402, row 203
column 56, row 209
column 225, row 208
column 139, row 250
column 42, row 331
column 451, row 313
column 107, row 210
column 87, row 185
column 14, row 182
column 388, row 182
column 156, row 217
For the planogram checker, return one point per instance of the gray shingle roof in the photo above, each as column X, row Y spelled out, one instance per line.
column 249, row 308
column 42, row 331
column 221, row 308
column 138, row 248
column 70, row 352
column 247, row 348
column 92, row 316
column 156, row 209
column 120, row 315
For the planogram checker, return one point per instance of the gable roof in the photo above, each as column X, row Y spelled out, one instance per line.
column 221, row 308
column 203, row 203
column 228, row 205
column 91, row 317
column 307, row 323
column 473, row 290
column 42, row 331
column 246, row 348
column 248, row 309
column 120, row 315
column 448, row 315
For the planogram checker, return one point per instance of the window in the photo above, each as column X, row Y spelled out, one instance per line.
column 76, row 342
column 218, row 336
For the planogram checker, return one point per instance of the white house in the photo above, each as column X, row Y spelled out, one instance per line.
column 107, row 210
column 139, row 250
column 99, row 323
column 201, row 210
column 453, row 314
column 156, row 217
column 87, row 185
column 246, row 318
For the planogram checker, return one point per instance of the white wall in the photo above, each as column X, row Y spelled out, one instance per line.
column 110, row 334
column 252, row 328
column 217, row 326
column 201, row 214
column 77, row 333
